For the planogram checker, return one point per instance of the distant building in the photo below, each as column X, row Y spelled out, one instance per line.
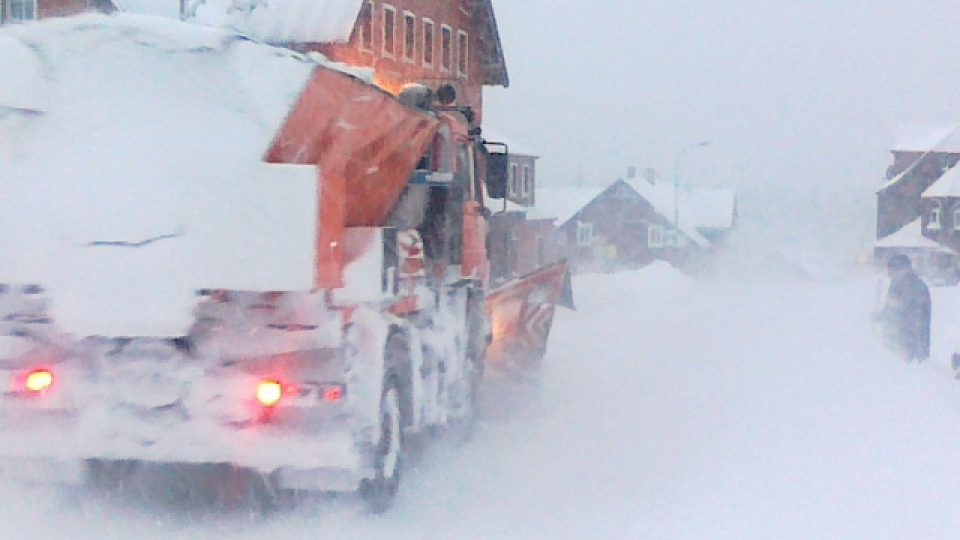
column 630, row 223
column 918, row 162
column 916, row 206
column 522, row 238
column 521, row 168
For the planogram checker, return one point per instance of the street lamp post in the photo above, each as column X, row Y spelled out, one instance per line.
column 676, row 179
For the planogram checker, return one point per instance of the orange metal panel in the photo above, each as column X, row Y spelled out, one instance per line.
column 475, row 263
column 379, row 141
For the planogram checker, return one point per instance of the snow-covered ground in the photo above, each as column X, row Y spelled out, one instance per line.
column 671, row 408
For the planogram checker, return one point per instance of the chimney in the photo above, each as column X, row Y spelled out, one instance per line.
column 631, row 172
column 650, row 175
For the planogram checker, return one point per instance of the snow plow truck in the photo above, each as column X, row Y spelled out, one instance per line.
column 220, row 254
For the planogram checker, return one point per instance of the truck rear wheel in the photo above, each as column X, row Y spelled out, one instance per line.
column 380, row 492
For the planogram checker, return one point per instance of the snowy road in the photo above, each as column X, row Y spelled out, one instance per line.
column 670, row 409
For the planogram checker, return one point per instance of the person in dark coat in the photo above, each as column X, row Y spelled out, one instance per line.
column 906, row 315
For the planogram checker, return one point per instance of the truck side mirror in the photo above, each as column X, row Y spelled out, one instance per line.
column 497, row 175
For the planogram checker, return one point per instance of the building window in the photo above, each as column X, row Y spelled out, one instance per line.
column 514, row 180
column 655, row 236
column 366, row 27
column 527, row 181
column 956, row 220
column 409, row 36
column 389, row 31
column 463, row 51
column 446, row 47
column 674, row 239
column 428, row 42
column 584, row 234
column 936, row 219
column 21, row 10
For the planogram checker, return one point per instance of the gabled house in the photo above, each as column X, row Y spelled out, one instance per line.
column 916, row 214
column 918, row 162
column 632, row 223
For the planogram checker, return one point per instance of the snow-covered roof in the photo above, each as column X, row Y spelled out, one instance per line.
column 314, row 21
column 141, row 178
column 928, row 139
column 285, row 21
column 709, row 208
column 896, row 179
column 706, row 208
column 698, row 208
column 947, row 186
column 276, row 21
column 910, row 236
column 561, row 203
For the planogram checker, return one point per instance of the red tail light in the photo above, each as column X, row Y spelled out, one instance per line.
column 38, row 380
column 269, row 393
column 333, row 393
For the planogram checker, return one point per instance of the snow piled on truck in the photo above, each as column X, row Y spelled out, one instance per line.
column 284, row 21
column 132, row 175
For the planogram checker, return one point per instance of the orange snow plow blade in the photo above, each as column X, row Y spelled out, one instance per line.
column 521, row 312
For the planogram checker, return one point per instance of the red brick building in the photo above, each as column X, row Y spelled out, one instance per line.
column 425, row 41
column 630, row 223
column 917, row 164
column 917, row 211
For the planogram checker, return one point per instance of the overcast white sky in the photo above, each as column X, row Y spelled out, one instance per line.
column 800, row 99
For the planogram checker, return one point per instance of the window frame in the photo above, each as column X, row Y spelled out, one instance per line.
column 366, row 26
column 446, row 51
column 429, row 48
column 584, row 234
column 527, row 186
column 387, row 8
column 463, row 54
column 9, row 4
column 656, row 231
column 514, row 180
column 936, row 219
column 411, row 17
